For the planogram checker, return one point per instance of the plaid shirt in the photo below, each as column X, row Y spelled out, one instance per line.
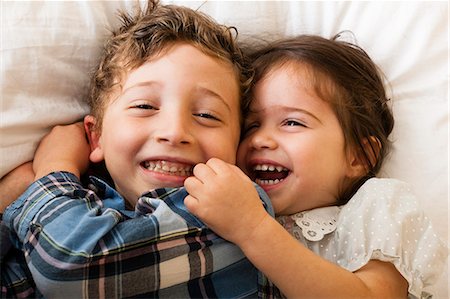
column 82, row 242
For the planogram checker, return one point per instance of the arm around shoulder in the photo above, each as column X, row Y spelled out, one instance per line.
column 15, row 183
column 56, row 152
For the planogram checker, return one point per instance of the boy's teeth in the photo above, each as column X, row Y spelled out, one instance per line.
column 168, row 167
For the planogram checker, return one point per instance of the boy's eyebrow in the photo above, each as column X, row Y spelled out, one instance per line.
column 209, row 92
column 139, row 84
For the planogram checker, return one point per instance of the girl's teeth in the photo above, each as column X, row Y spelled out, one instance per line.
column 266, row 167
column 268, row 182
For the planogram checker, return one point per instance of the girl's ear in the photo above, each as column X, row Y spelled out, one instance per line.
column 94, row 138
column 361, row 160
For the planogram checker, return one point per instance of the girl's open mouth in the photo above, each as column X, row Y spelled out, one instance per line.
column 267, row 174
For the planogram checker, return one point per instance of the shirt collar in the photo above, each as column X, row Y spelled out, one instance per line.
column 316, row 223
column 105, row 191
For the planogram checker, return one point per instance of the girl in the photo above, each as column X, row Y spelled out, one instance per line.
column 315, row 137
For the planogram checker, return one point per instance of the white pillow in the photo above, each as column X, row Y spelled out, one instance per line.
column 49, row 49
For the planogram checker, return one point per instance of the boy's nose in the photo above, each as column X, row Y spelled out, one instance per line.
column 174, row 131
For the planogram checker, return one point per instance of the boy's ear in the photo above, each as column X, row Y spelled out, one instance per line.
column 360, row 162
column 93, row 135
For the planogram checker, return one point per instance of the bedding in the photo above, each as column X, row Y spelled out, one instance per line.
column 49, row 49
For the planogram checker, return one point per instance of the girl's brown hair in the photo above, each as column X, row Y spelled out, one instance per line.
column 149, row 32
column 344, row 75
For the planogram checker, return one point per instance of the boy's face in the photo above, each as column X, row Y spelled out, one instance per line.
column 294, row 146
column 176, row 110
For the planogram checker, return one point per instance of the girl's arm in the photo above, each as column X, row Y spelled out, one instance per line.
column 225, row 199
column 298, row 272
column 65, row 148
column 15, row 183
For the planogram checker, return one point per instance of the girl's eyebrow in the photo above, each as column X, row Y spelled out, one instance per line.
column 293, row 109
column 284, row 109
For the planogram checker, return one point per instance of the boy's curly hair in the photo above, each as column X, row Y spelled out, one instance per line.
column 150, row 31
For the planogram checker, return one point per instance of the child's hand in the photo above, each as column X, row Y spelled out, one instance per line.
column 65, row 148
column 223, row 197
column 15, row 183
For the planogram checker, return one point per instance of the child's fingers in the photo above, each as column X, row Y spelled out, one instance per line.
column 217, row 165
column 192, row 185
column 222, row 167
column 191, row 204
column 203, row 172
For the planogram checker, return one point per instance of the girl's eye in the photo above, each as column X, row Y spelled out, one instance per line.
column 293, row 123
column 250, row 128
column 207, row 116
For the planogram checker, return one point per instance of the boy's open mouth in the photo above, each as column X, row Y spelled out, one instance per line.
column 169, row 168
column 266, row 174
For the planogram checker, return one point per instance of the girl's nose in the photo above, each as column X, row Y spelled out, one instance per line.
column 262, row 139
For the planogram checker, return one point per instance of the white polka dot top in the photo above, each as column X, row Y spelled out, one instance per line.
column 381, row 221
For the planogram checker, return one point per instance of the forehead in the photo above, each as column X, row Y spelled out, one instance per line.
column 280, row 81
column 286, row 89
column 184, row 65
column 194, row 56
column 295, row 76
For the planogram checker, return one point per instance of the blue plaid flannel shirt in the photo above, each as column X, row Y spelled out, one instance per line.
column 82, row 243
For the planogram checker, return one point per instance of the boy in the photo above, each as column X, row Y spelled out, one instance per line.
column 165, row 97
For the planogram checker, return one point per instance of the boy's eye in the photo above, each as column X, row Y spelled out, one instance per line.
column 207, row 116
column 145, row 107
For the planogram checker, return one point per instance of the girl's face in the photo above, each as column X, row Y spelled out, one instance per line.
column 294, row 145
column 175, row 111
